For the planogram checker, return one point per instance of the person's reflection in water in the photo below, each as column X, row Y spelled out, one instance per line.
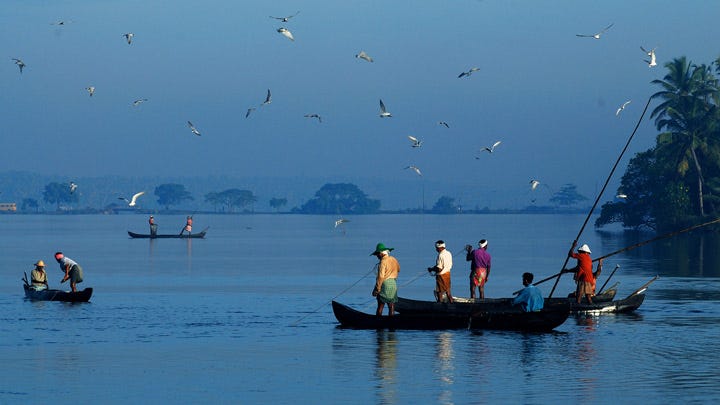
column 189, row 255
column 386, row 367
column 445, row 366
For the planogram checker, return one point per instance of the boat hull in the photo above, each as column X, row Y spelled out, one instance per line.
column 134, row 235
column 58, row 295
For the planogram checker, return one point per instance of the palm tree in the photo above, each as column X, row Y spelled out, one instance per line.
column 685, row 114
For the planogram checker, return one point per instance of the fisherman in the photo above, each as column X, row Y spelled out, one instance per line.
column 386, row 281
column 480, row 262
column 72, row 270
column 583, row 272
column 442, row 267
column 153, row 226
column 38, row 276
column 188, row 226
column 530, row 298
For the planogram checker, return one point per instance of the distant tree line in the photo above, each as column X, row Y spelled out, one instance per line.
column 676, row 183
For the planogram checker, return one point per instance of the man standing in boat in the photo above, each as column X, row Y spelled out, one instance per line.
column 153, row 226
column 188, row 226
column 38, row 277
column 530, row 298
column 386, row 281
column 583, row 272
column 479, row 267
column 72, row 270
column 442, row 267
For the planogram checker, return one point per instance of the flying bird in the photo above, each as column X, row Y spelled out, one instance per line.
column 133, row 200
column 443, row 123
column 416, row 143
column 60, row 22
column 622, row 107
column 363, row 55
column 139, row 101
column 285, row 19
column 491, row 149
column 19, row 63
column 129, row 37
column 90, row 90
column 468, row 73
column 651, row 53
column 415, row 168
column 383, row 111
column 314, row 116
column 621, row 196
column 286, row 32
column 597, row 35
column 73, row 187
column 341, row 221
column 533, row 184
column 249, row 111
column 193, row 129
column 268, row 98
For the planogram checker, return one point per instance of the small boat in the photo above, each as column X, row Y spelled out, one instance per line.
column 200, row 235
column 510, row 319
column 57, row 295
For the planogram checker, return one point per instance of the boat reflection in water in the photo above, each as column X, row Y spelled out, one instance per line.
column 386, row 366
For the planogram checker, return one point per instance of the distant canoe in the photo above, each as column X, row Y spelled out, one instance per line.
column 168, row 236
column 57, row 295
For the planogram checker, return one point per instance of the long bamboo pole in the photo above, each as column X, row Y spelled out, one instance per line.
column 607, row 181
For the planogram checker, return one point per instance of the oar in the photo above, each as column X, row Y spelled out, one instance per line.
column 644, row 286
column 617, row 266
column 607, row 181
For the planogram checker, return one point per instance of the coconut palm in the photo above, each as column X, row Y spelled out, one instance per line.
column 685, row 114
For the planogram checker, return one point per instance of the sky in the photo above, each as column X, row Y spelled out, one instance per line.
column 549, row 96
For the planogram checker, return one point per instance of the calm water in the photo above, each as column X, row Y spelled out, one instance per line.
column 244, row 316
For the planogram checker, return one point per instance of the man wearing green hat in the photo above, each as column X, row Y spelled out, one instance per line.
column 386, row 282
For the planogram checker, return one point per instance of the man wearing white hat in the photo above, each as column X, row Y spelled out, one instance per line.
column 480, row 262
column 585, row 278
column 442, row 267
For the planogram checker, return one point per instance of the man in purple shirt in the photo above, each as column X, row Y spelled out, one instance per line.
column 479, row 268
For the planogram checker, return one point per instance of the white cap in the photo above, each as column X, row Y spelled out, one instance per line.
column 584, row 248
column 483, row 243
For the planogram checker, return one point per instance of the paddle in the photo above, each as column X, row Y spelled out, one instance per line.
column 644, row 286
column 597, row 200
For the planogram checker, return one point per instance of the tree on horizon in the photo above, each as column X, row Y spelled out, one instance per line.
column 340, row 198
column 171, row 194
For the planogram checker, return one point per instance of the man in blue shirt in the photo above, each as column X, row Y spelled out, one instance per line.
column 530, row 298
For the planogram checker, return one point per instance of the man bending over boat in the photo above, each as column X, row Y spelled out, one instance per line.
column 583, row 272
column 38, row 276
column 73, row 271
column 442, row 267
column 386, row 282
column 530, row 298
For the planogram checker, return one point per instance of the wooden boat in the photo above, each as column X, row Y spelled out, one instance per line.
column 511, row 319
column 57, row 295
column 168, row 236
column 465, row 306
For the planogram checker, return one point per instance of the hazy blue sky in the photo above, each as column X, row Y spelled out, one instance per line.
column 549, row 96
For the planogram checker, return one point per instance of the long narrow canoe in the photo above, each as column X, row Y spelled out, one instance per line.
column 57, row 295
column 512, row 319
column 168, row 236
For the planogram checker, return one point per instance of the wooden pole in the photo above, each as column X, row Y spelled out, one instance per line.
column 617, row 162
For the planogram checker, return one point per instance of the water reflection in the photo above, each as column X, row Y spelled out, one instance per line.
column 386, row 366
column 445, row 357
column 694, row 254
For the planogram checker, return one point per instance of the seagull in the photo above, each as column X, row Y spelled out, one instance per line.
column 415, row 142
column 139, row 101
column 73, row 187
column 60, row 22
column 286, row 33
column 129, row 37
column 20, row 64
column 622, row 107
column 268, row 98
column 91, row 90
column 363, row 55
column 533, row 184
column 491, row 149
column 415, row 168
column 468, row 73
column 596, row 36
column 341, row 221
column 383, row 111
column 133, row 200
column 249, row 110
column 651, row 53
column 445, row 124
column 192, row 128
column 314, row 116
column 285, row 19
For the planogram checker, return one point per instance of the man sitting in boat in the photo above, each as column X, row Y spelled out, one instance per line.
column 530, row 298
column 39, row 277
